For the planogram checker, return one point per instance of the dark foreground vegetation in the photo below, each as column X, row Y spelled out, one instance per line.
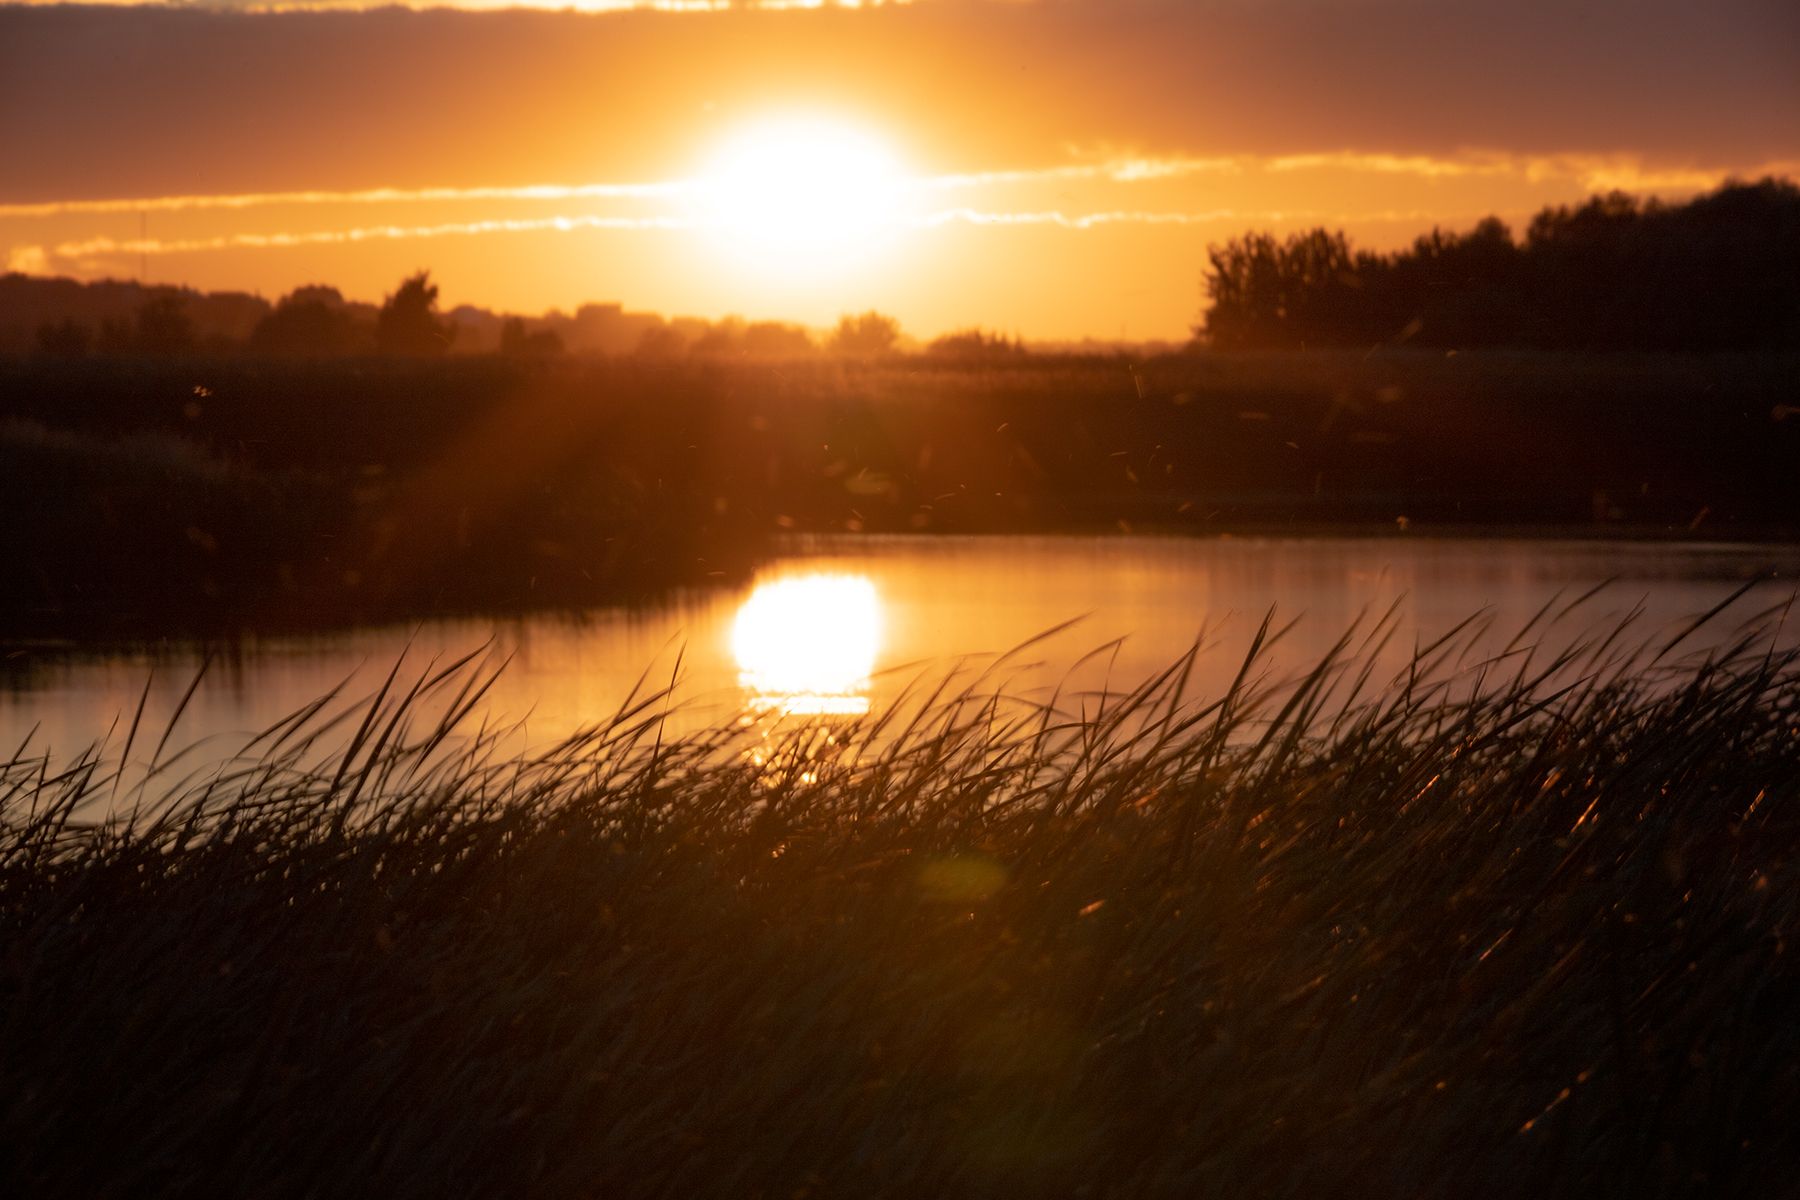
column 161, row 492
column 1469, row 932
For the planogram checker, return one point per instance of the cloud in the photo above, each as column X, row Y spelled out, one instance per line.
column 27, row 260
column 88, row 253
column 1093, row 220
column 159, row 204
column 1120, row 170
column 1587, row 173
column 1421, row 165
column 1125, row 169
column 163, row 100
column 1215, row 216
column 1125, row 174
column 89, row 249
column 1627, row 175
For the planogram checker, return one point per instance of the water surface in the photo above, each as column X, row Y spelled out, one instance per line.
column 839, row 625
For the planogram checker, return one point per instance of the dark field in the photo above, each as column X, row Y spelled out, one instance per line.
column 157, row 493
column 1468, row 932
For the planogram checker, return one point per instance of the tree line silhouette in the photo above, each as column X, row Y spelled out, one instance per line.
column 1718, row 273
column 109, row 318
column 317, row 321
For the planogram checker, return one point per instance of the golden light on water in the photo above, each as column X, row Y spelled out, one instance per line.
column 806, row 644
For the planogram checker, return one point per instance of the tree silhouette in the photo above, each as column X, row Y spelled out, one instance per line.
column 776, row 339
column 660, row 342
column 868, row 335
column 518, row 342
column 975, row 346
column 1721, row 272
column 1295, row 292
column 407, row 323
column 309, row 320
column 163, row 325
column 64, row 339
column 725, row 336
column 115, row 336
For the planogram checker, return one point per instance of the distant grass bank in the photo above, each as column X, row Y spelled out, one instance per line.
column 149, row 535
column 160, row 494
column 1467, row 932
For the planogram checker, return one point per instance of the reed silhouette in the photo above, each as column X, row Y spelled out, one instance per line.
column 1492, row 927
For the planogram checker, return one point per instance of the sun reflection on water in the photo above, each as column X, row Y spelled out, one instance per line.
column 805, row 644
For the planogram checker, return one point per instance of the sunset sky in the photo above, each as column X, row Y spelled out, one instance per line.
column 1052, row 168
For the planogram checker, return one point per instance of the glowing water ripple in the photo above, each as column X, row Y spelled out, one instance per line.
column 806, row 644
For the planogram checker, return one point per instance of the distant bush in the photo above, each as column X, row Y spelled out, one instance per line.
column 311, row 320
column 64, row 339
column 975, row 346
column 733, row 337
column 163, row 325
column 865, row 335
column 777, row 339
column 408, row 323
column 516, row 341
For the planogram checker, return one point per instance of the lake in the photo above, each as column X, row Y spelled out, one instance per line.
column 835, row 626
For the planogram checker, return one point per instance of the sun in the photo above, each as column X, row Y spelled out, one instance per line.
column 805, row 191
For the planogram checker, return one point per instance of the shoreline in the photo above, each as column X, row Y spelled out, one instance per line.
column 48, row 638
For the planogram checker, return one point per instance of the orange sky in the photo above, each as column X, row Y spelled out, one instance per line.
column 1054, row 168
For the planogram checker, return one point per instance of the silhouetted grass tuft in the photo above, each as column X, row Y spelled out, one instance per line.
column 1508, row 926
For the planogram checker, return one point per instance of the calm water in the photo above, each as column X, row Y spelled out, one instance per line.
column 837, row 626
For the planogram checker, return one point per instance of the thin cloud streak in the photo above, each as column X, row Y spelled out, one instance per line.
column 1594, row 173
column 103, row 246
column 1418, row 165
column 1128, row 170
column 1095, row 220
column 38, row 258
column 1591, row 173
column 385, row 195
column 970, row 216
column 1115, row 170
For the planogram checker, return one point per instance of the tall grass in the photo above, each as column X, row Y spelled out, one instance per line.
column 1502, row 925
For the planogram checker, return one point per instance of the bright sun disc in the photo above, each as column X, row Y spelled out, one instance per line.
column 802, row 187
